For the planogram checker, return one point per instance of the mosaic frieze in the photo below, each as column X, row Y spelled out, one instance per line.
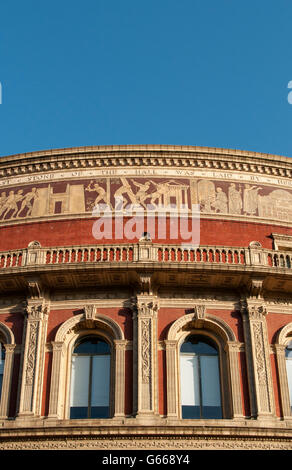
column 215, row 197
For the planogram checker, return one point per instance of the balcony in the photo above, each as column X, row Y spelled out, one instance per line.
column 170, row 265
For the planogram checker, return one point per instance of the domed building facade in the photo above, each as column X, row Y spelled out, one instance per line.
column 146, row 299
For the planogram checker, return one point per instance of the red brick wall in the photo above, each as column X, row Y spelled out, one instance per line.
column 79, row 232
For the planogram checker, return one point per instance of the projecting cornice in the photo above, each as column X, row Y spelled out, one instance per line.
column 145, row 155
column 70, row 183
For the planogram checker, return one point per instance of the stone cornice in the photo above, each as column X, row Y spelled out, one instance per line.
column 145, row 155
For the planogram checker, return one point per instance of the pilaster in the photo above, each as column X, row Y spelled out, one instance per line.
column 35, row 328
column 171, row 378
column 55, row 389
column 145, row 355
column 7, row 377
column 258, row 353
column 284, row 389
column 120, row 348
column 232, row 350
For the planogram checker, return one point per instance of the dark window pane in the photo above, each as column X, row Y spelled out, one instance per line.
column 197, row 345
column 99, row 412
column 2, row 349
column 211, row 412
column 190, row 412
column 92, row 346
column 78, row 412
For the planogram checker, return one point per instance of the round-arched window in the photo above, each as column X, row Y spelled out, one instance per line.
column 90, row 379
column 200, row 379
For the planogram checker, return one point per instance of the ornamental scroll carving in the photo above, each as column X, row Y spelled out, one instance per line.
column 257, row 343
column 146, row 349
column 261, row 365
column 259, row 351
column 35, row 313
column 31, row 357
column 146, row 311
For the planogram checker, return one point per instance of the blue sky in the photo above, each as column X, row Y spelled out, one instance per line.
column 113, row 72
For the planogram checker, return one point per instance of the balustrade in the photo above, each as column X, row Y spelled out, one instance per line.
column 159, row 253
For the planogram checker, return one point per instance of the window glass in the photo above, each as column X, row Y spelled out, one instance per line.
column 92, row 346
column 90, row 379
column 200, row 379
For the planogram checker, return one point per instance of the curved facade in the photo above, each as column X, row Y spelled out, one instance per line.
column 145, row 299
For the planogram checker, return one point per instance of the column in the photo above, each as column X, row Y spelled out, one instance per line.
column 146, row 355
column 119, row 405
column 56, row 381
column 232, row 350
column 33, row 360
column 7, row 378
column 258, row 360
column 171, row 378
column 284, row 389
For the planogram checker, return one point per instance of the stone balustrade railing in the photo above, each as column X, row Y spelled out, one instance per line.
column 144, row 252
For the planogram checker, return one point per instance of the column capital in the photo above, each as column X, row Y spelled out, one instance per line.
column 57, row 345
column 9, row 348
column 120, row 344
column 254, row 310
column 280, row 348
column 145, row 305
column 170, row 343
column 35, row 310
column 233, row 346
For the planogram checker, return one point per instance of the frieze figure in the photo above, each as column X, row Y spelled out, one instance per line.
column 206, row 195
column 11, row 203
column 250, row 199
column 141, row 194
column 234, row 199
column 125, row 189
column 220, row 204
column 30, row 197
column 93, row 186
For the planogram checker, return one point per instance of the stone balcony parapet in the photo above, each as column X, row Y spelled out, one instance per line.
column 145, row 252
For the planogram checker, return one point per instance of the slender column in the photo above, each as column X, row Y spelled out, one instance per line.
column 233, row 351
column 258, row 360
column 120, row 347
column 284, row 389
column 171, row 378
column 33, row 360
column 7, row 378
column 146, row 353
column 55, row 390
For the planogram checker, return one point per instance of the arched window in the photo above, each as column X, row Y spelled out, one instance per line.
column 90, row 379
column 288, row 354
column 200, row 379
column 2, row 361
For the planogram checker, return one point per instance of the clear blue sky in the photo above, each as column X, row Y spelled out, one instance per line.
column 112, row 72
